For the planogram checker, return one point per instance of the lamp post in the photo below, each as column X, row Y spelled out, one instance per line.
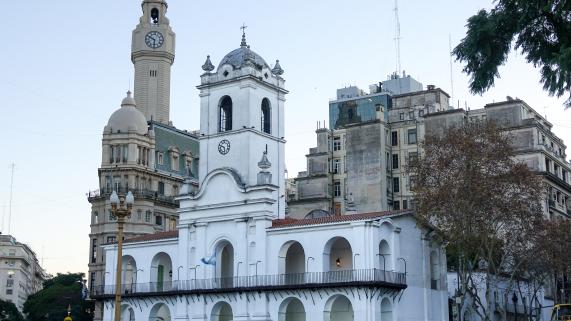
column 194, row 268
column 384, row 265
column 307, row 264
column 514, row 300
column 404, row 261
column 121, row 208
column 354, row 260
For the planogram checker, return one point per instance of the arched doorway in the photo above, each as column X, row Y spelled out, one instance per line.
column 222, row 311
column 161, row 272
column 337, row 255
column 160, row 312
column 127, row 313
column 128, row 275
column 292, row 262
column 225, row 263
column 338, row 308
column 386, row 310
column 291, row 309
column 385, row 259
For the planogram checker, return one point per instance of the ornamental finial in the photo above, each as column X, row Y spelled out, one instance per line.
column 277, row 70
column 208, row 66
column 243, row 43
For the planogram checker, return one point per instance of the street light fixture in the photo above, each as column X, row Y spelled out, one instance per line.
column 121, row 208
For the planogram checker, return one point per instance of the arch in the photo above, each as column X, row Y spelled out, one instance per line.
column 386, row 310
column 129, row 273
column 292, row 258
column 434, row 270
column 155, row 15
column 224, row 263
column 385, row 259
column 127, row 313
column 225, row 107
column 337, row 255
column 222, row 311
column 266, row 116
column 291, row 309
column 161, row 272
column 160, row 312
column 338, row 308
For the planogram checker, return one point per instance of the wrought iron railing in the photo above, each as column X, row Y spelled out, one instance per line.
column 137, row 192
column 261, row 282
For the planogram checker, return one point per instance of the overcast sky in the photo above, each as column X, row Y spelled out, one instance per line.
column 66, row 67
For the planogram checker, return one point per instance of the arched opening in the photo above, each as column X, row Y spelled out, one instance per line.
column 155, row 15
column 127, row 313
column 225, row 263
column 434, row 270
column 291, row 309
column 129, row 272
column 266, row 119
column 222, row 311
column 337, row 255
column 338, row 308
column 225, row 114
column 161, row 272
column 386, row 310
column 295, row 259
column 385, row 259
column 160, row 312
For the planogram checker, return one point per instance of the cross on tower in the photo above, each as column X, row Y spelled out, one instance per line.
column 244, row 28
column 243, row 43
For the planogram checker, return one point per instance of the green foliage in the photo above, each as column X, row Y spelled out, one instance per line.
column 541, row 30
column 51, row 303
column 9, row 312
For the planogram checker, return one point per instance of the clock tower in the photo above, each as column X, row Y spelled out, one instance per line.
column 152, row 53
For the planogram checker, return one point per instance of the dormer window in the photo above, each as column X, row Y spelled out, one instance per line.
column 155, row 16
column 266, row 117
column 225, row 114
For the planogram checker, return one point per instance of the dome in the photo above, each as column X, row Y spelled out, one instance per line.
column 242, row 56
column 128, row 118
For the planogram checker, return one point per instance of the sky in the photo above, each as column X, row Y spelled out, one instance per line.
column 66, row 67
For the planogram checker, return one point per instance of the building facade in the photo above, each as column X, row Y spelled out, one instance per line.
column 235, row 255
column 21, row 275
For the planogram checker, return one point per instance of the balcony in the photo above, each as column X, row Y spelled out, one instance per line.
column 147, row 194
column 310, row 280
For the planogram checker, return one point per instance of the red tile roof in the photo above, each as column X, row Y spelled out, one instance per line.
column 153, row 237
column 291, row 222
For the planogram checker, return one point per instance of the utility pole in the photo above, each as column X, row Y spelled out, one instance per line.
column 11, row 192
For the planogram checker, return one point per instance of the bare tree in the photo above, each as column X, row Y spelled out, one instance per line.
column 487, row 204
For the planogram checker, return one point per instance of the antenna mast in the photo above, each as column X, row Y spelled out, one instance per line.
column 397, row 38
column 451, row 71
column 11, row 190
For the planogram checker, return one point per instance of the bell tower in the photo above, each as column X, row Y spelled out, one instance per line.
column 152, row 53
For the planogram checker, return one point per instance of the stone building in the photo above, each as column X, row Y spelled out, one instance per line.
column 20, row 272
column 142, row 151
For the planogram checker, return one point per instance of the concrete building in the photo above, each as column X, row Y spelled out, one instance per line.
column 234, row 254
column 20, row 272
column 142, row 151
column 360, row 164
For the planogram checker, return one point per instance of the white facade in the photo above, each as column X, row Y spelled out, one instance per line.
column 236, row 257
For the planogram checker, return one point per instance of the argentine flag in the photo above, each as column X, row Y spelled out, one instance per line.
column 209, row 260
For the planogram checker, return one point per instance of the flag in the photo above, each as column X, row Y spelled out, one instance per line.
column 209, row 260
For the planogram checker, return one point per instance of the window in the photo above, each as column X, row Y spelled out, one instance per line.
column 421, row 113
column 394, row 138
column 336, row 143
column 172, row 224
column 93, row 250
column 411, row 182
column 266, row 118
column 412, row 157
column 175, row 163
column 396, row 205
column 9, row 291
column 225, row 114
column 411, row 114
column 161, row 188
column 405, row 204
column 155, row 16
column 125, row 154
column 555, row 169
column 337, row 189
column 12, row 252
column 412, row 136
column 9, row 283
column 336, row 165
column 160, row 158
column 95, row 217
column 564, row 175
column 148, row 216
column 395, row 161
column 547, row 165
column 401, row 116
column 159, row 220
column 92, row 280
column 139, row 215
column 396, row 185
column 111, row 239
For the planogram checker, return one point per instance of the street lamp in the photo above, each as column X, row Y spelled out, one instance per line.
column 384, row 265
column 307, row 264
column 194, row 268
column 121, row 208
column 514, row 300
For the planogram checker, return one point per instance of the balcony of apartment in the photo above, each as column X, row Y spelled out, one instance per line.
column 142, row 193
column 294, row 281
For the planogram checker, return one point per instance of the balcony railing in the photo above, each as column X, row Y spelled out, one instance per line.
column 369, row 277
column 137, row 192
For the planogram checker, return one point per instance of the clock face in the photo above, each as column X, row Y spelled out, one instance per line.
column 154, row 39
column 224, row 147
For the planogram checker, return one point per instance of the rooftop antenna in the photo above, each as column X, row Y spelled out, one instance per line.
column 3, row 216
column 397, row 38
column 11, row 193
column 451, row 71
